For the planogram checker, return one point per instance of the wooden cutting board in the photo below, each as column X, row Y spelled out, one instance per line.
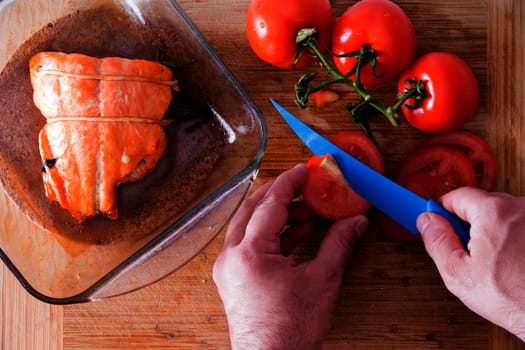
column 392, row 296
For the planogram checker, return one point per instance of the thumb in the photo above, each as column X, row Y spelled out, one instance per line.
column 338, row 244
column 442, row 244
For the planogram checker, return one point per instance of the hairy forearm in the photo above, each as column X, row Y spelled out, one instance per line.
column 277, row 335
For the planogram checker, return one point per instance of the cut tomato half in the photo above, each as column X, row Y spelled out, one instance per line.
column 360, row 147
column 453, row 168
column 476, row 149
column 326, row 190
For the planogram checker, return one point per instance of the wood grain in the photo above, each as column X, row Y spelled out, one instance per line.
column 27, row 323
column 506, row 103
column 392, row 296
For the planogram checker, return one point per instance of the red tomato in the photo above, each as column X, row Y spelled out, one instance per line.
column 272, row 26
column 324, row 97
column 326, row 191
column 428, row 187
column 360, row 147
column 386, row 28
column 476, row 149
column 452, row 88
column 445, row 163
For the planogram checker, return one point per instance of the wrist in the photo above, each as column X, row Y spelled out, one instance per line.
column 272, row 335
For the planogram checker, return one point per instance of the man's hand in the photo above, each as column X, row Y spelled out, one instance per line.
column 490, row 278
column 271, row 301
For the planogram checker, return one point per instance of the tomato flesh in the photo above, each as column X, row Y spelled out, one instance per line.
column 324, row 97
column 447, row 164
column 326, row 191
column 361, row 148
column 431, row 171
column 272, row 26
column 384, row 26
column 476, row 149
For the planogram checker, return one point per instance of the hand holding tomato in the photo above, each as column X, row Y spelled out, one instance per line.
column 489, row 280
column 272, row 302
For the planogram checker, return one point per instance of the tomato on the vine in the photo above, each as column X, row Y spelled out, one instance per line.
column 272, row 26
column 326, row 191
column 384, row 26
column 451, row 88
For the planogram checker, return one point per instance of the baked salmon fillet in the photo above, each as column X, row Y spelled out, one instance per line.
column 103, row 126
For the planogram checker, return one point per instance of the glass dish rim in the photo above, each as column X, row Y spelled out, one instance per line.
column 250, row 169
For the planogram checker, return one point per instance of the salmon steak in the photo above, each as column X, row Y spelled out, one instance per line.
column 104, row 126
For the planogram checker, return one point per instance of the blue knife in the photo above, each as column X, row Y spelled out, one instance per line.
column 397, row 202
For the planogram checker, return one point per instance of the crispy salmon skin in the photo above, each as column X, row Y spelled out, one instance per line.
column 103, row 126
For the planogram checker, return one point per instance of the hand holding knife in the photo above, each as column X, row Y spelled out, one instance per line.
column 397, row 202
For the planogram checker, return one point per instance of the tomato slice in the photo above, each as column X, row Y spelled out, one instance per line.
column 447, row 164
column 424, row 184
column 324, row 97
column 326, row 191
column 360, row 147
column 476, row 149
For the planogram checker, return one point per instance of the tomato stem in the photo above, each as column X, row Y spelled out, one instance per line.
column 365, row 55
column 413, row 90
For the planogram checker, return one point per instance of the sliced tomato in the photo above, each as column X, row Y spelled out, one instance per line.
column 424, row 184
column 450, row 166
column 476, row 149
column 324, row 97
column 326, row 191
column 361, row 147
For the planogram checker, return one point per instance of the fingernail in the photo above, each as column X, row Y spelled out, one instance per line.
column 422, row 222
column 361, row 226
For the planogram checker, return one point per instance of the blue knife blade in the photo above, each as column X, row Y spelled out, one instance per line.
column 397, row 202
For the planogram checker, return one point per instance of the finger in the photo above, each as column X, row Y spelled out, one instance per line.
column 271, row 214
column 337, row 245
column 297, row 234
column 463, row 201
column 237, row 226
column 443, row 246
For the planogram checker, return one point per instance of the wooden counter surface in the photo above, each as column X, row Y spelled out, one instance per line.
column 392, row 296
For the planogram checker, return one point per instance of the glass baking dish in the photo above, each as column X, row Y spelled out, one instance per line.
column 172, row 214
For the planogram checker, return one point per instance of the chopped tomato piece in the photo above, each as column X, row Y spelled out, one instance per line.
column 476, row 149
column 445, row 163
column 324, row 97
column 326, row 190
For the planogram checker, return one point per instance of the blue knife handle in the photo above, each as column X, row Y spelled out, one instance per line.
column 462, row 227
